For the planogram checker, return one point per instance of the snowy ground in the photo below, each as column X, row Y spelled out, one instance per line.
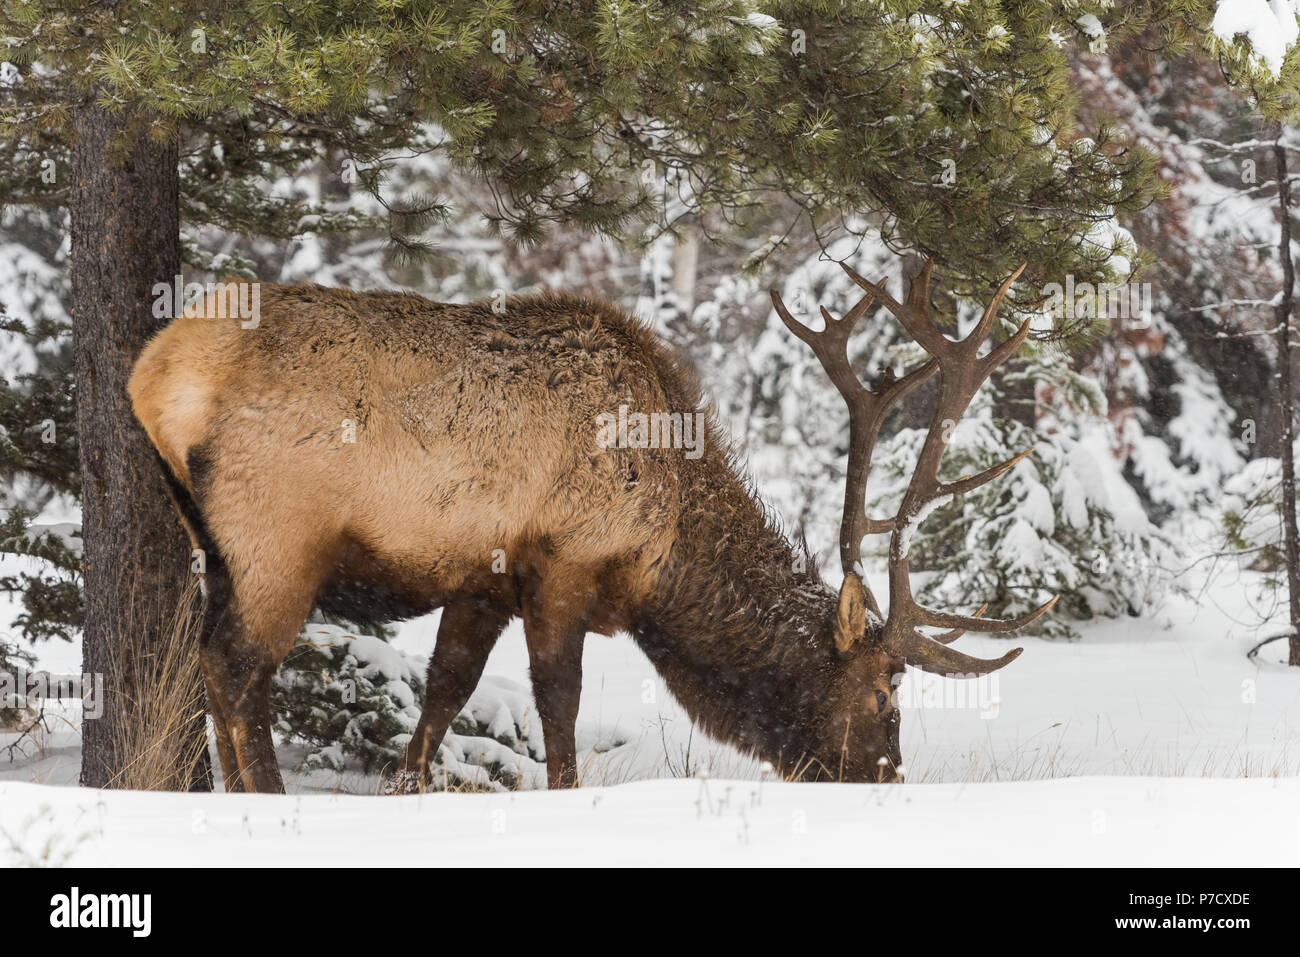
column 1151, row 741
column 1079, row 821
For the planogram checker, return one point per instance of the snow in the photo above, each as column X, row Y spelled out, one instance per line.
column 1085, row 821
column 29, row 292
column 1090, row 25
column 761, row 22
column 1037, row 509
column 1073, row 490
column 69, row 533
column 1107, row 485
column 1117, row 749
column 383, row 660
column 1270, row 27
column 1021, row 547
column 913, row 524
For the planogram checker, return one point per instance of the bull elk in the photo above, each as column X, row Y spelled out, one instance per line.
column 381, row 455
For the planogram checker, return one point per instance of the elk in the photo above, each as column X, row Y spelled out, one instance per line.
column 381, row 455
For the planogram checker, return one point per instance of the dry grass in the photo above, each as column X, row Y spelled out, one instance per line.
column 155, row 745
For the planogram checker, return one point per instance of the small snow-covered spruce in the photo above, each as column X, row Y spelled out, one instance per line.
column 38, row 449
column 354, row 699
column 1048, row 527
column 1251, row 518
column 49, row 590
column 347, row 695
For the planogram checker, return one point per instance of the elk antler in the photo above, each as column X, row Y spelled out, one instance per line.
column 867, row 410
column 961, row 373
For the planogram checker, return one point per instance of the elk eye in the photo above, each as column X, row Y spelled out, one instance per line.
column 882, row 701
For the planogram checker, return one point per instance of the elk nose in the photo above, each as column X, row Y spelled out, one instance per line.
column 882, row 702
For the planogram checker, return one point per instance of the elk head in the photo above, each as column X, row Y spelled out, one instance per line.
column 872, row 648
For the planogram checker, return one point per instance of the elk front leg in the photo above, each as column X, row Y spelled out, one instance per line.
column 466, row 635
column 555, row 629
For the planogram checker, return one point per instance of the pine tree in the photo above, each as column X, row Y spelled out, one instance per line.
column 1266, row 68
column 36, row 466
column 949, row 124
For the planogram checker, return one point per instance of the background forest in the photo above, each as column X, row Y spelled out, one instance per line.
column 1158, row 431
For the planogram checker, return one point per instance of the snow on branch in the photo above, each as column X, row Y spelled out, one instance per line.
column 1270, row 27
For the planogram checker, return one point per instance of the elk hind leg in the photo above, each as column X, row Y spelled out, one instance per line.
column 268, row 599
column 214, row 603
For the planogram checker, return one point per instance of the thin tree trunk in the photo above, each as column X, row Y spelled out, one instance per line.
column 1291, row 538
column 125, row 238
column 686, row 258
column 1017, row 398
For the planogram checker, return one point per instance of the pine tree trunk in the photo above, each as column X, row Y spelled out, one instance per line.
column 125, row 238
column 1286, row 395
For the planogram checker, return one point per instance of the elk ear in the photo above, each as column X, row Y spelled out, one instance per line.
column 851, row 616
